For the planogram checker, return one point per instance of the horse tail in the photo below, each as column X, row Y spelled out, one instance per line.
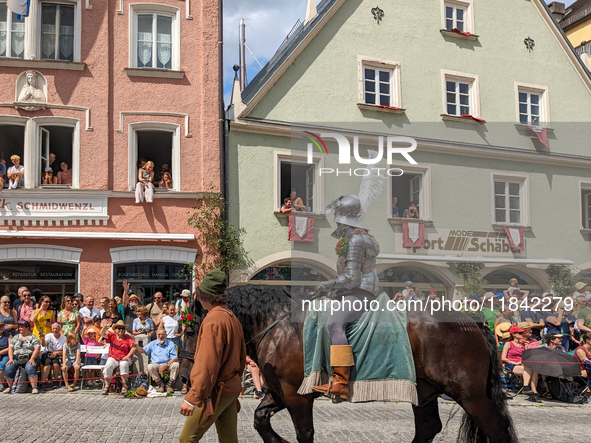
column 469, row 430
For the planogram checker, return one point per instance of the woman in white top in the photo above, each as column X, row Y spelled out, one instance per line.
column 170, row 322
column 144, row 186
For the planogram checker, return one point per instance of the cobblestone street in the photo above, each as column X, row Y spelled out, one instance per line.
column 89, row 417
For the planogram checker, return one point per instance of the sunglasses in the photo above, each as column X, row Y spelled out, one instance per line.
column 27, row 296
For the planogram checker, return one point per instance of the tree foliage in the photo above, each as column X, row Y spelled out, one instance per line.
column 473, row 282
column 561, row 279
column 222, row 242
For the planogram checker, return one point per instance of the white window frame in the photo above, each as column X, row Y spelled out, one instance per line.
column 289, row 157
column 472, row 79
column 9, row 32
column 153, row 8
column 585, row 188
column 33, row 29
column 544, row 101
column 33, row 143
column 523, row 180
column 134, row 128
column 467, row 5
column 384, row 65
column 425, row 207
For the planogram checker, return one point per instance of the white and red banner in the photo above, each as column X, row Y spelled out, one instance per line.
column 542, row 134
column 413, row 234
column 516, row 238
column 301, row 228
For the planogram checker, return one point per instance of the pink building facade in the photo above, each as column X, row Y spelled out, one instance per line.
column 99, row 85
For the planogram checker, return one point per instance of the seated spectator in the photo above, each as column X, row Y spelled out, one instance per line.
column 553, row 341
column 121, row 350
column 411, row 212
column 88, row 312
column 24, row 350
column 90, row 339
column 142, row 326
column 583, row 353
column 286, row 208
column 257, row 378
column 141, row 162
column 52, row 359
column 8, row 315
column 48, row 177
column 511, row 356
column 296, row 202
column 16, row 173
column 166, row 181
column 111, row 313
column 5, row 338
column 164, row 358
column 144, row 186
column 164, row 170
column 64, row 176
column 3, row 178
column 69, row 317
column 43, row 317
column 528, row 341
column 169, row 321
column 395, row 209
column 71, row 359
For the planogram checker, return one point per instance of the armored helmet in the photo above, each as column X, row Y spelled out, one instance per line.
column 347, row 210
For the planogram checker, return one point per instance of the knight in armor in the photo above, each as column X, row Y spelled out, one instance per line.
column 357, row 280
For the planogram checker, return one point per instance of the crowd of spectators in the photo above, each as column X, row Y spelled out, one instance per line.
column 50, row 343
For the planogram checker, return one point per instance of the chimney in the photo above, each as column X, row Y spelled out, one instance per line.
column 557, row 9
column 311, row 12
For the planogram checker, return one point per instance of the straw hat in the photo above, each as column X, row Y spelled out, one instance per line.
column 502, row 330
column 580, row 286
column 140, row 392
column 524, row 325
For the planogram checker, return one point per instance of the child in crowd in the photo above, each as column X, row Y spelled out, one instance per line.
column 144, row 186
column 71, row 359
column 16, row 173
column 169, row 320
column 90, row 339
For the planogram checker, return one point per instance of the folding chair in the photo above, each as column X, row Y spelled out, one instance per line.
column 100, row 350
column 587, row 380
column 511, row 381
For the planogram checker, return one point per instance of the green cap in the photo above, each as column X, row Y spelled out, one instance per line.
column 214, row 283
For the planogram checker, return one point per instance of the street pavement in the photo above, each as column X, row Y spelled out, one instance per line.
column 82, row 417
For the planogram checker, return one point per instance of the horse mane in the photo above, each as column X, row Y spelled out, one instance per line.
column 257, row 306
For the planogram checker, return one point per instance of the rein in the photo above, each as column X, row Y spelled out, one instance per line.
column 261, row 334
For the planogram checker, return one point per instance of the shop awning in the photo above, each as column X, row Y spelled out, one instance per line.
column 99, row 235
column 452, row 259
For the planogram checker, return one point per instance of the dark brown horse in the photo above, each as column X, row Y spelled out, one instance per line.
column 451, row 355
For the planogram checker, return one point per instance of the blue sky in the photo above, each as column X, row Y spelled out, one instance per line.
column 267, row 25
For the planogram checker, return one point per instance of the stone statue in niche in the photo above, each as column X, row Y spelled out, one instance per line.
column 30, row 94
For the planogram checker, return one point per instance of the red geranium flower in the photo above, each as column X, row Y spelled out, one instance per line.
column 189, row 317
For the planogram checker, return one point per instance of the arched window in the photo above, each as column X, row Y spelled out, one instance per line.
column 498, row 280
column 393, row 280
column 300, row 276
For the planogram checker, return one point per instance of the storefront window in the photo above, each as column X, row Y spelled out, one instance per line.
column 288, row 271
column 148, row 278
column 53, row 279
column 498, row 280
column 393, row 279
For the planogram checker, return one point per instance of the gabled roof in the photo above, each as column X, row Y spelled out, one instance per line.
column 579, row 10
column 300, row 38
column 287, row 49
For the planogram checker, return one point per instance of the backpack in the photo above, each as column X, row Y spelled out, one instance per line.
column 20, row 383
column 141, row 380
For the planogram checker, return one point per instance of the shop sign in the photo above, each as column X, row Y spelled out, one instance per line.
column 462, row 242
column 25, row 205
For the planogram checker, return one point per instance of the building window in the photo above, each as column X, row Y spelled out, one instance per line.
column 508, row 201
column 586, row 207
column 56, row 153
column 458, row 97
column 159, row 143
column 12, row 33
column 155, row 37
column 57, row 32
column 293, row 173
column 408, row 189
column 457, row 15
column 532, row 104
column 378, row 86
column 379, row 83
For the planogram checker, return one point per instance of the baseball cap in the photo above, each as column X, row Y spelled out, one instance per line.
column 24, row 323
column 524, row 325
column 185, row 293
column 516, row 329
column 96, row 318
column 488, row 295
column 553, row 335
column 474, row 297
column 78, row 294
column 499, row 295
column 408, row 283
column 433, row 291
